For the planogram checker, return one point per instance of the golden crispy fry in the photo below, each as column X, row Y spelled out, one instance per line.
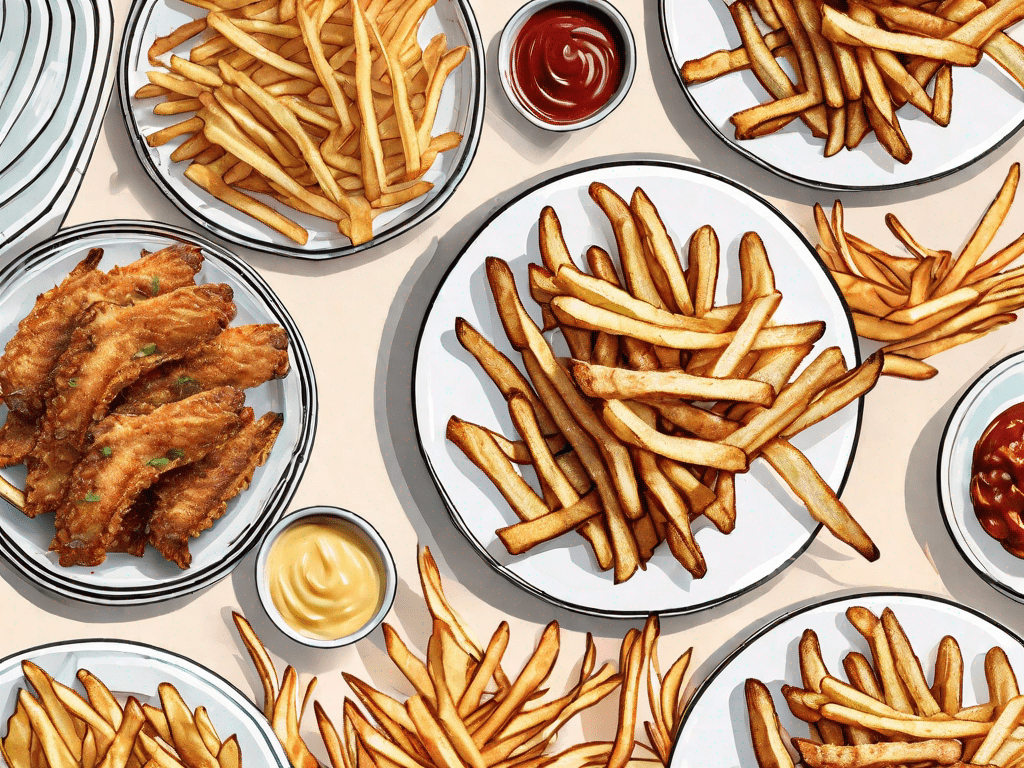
column 820, row 500
column 982, row 236
column 769, row 748
column 523, row 536
column 944, row 752
column 871, row 628
column 623, row 384
column 631, row 428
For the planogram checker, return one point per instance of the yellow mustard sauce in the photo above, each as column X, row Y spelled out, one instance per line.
column 324, row 579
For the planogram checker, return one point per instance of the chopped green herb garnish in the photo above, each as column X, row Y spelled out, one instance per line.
column 72, row 383
column 176, row 453
column 185, row 380
column 146, row 351
column 155, row 285
column 159, row 461
column 105, row 450
column 92, row 496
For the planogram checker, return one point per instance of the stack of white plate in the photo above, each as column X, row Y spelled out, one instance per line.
column 54, row 56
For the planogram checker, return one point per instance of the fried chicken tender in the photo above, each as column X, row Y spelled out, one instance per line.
column 128, row 454
column 113, row 348
column 243, row 356
column 189, row 500
column 28, row 361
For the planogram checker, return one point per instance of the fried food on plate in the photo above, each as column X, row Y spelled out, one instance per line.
column 127, row 455
column 888, row 714
column 322, row 107
column 924, row 303
column 58, row 726
column 667, row 395
column 189, row 500
column 146, row 355
column 242, row 356
column 858, row 63
column 27, row 364
column 113, row 347
column 466, row 711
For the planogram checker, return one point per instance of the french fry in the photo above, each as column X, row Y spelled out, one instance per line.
column 769, row 748
column 52, row 745
column 622, row 384
column 908, row 666
column 944, row 752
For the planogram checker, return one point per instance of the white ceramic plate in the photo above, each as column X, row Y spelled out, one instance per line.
column 715, row 729
column 993, row 392
column 987, row 110
column 461, row 109
column 47, row 141
column 134, row 669
column 123, row 578
column 772, row 530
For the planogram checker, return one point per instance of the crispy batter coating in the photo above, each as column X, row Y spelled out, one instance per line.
column 189, row 500
column 127, row 455
column 27, row 365
column 242, row 356
column 17, row 438
column 111, row 350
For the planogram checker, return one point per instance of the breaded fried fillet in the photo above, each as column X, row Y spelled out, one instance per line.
column 243, row 356
column 27, row 364
column 113, row 349
column 187, row 501
column 127, row 455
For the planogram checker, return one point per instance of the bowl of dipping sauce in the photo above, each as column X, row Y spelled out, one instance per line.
column 325, row 577
column 566, row 64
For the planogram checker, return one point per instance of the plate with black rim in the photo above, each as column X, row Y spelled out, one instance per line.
column 987, row 110
column 460, row 109
column 715, row 728
column 136, row 669
column 49, row 125
column 1001, row 386
column 772, row 528
column 123, row 579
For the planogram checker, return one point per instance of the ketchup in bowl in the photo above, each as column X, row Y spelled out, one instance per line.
column 567, row 62
column 997, row 479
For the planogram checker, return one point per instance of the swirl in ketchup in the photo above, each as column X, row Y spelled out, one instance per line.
column 997, row 479
column 567, row 62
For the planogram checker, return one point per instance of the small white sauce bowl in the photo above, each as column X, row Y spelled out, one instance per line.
column 375, row 544
column 601, row 8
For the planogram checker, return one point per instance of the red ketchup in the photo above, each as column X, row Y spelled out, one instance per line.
column 567, row 63
column 996, row 479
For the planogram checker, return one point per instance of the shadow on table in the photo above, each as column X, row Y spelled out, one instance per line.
column 922, row 504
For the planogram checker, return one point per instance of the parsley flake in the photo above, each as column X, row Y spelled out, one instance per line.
column 105, row 450
column 146, row 351
column 155, row 285
column 92, row 496
column 72, row 383
column 176, row 453
column 159, row 461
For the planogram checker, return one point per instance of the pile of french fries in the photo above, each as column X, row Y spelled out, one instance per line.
column 667, row 396
column 929, row 301
column 60, row 728
column 325, row 106
column 887, row 714
column 467, row 713
column 858, row 62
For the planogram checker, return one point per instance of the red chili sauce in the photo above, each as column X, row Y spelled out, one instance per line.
column 997, row 478
column 567, row 63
